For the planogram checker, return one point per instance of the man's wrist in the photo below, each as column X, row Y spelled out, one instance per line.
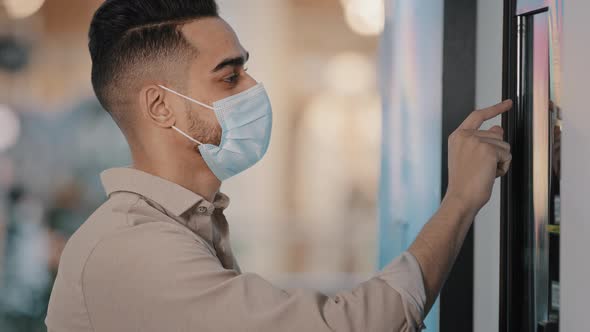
column 460, row 205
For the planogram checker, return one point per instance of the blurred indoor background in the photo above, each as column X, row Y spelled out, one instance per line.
column 305, row 216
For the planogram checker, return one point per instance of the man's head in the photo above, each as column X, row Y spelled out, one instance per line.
column 136, row 45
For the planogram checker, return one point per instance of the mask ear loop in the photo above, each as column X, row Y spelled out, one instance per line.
column 185, row 97
column 186, row 135
column 190, row 99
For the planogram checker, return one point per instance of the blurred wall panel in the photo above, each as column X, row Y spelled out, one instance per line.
column 411, row 70
column 487, row 224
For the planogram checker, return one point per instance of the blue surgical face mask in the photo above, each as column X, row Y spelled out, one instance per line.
column 246, row 122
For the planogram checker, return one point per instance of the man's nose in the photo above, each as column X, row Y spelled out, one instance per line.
column 249, row 81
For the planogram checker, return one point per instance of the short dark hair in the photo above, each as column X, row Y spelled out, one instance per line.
column 125, row 33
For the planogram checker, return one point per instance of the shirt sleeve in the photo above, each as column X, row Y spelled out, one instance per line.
column 156, row 277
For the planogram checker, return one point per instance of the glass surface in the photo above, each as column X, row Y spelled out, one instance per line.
column 538, row 95
column 540, row 144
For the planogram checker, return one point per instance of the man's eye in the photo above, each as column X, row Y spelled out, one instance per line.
column 232, row 79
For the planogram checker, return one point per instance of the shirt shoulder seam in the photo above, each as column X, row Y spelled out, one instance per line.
column 177, row 224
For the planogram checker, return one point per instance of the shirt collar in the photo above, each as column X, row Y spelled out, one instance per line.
column 169, row 195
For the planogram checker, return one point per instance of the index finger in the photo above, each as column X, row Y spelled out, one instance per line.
column 477, row 118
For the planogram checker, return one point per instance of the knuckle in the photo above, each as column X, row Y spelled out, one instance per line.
column 459, row 134
column 474, row 140
column 466, row 133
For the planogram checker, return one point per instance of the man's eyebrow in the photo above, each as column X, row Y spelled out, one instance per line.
column 234, row 62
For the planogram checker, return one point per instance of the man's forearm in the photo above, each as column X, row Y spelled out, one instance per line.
column 437, row 245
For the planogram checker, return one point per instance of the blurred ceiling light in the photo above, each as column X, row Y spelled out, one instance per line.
column 365, row 17
column 9, row 128
column 350, row 73
column 22, row 8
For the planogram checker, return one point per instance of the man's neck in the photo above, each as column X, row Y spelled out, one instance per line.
column 194, row 176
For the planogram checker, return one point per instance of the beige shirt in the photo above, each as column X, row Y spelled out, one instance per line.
column 157, row 257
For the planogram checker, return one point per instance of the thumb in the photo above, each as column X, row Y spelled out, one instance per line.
column 504, row 160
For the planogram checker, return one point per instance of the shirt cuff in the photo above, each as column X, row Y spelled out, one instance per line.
column 404, row 275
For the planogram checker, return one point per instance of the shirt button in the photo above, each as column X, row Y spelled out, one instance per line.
column 202, row 209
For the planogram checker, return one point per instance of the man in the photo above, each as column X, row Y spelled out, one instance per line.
column 156, row 255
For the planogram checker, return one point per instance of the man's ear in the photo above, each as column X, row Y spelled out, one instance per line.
column 156, row 107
